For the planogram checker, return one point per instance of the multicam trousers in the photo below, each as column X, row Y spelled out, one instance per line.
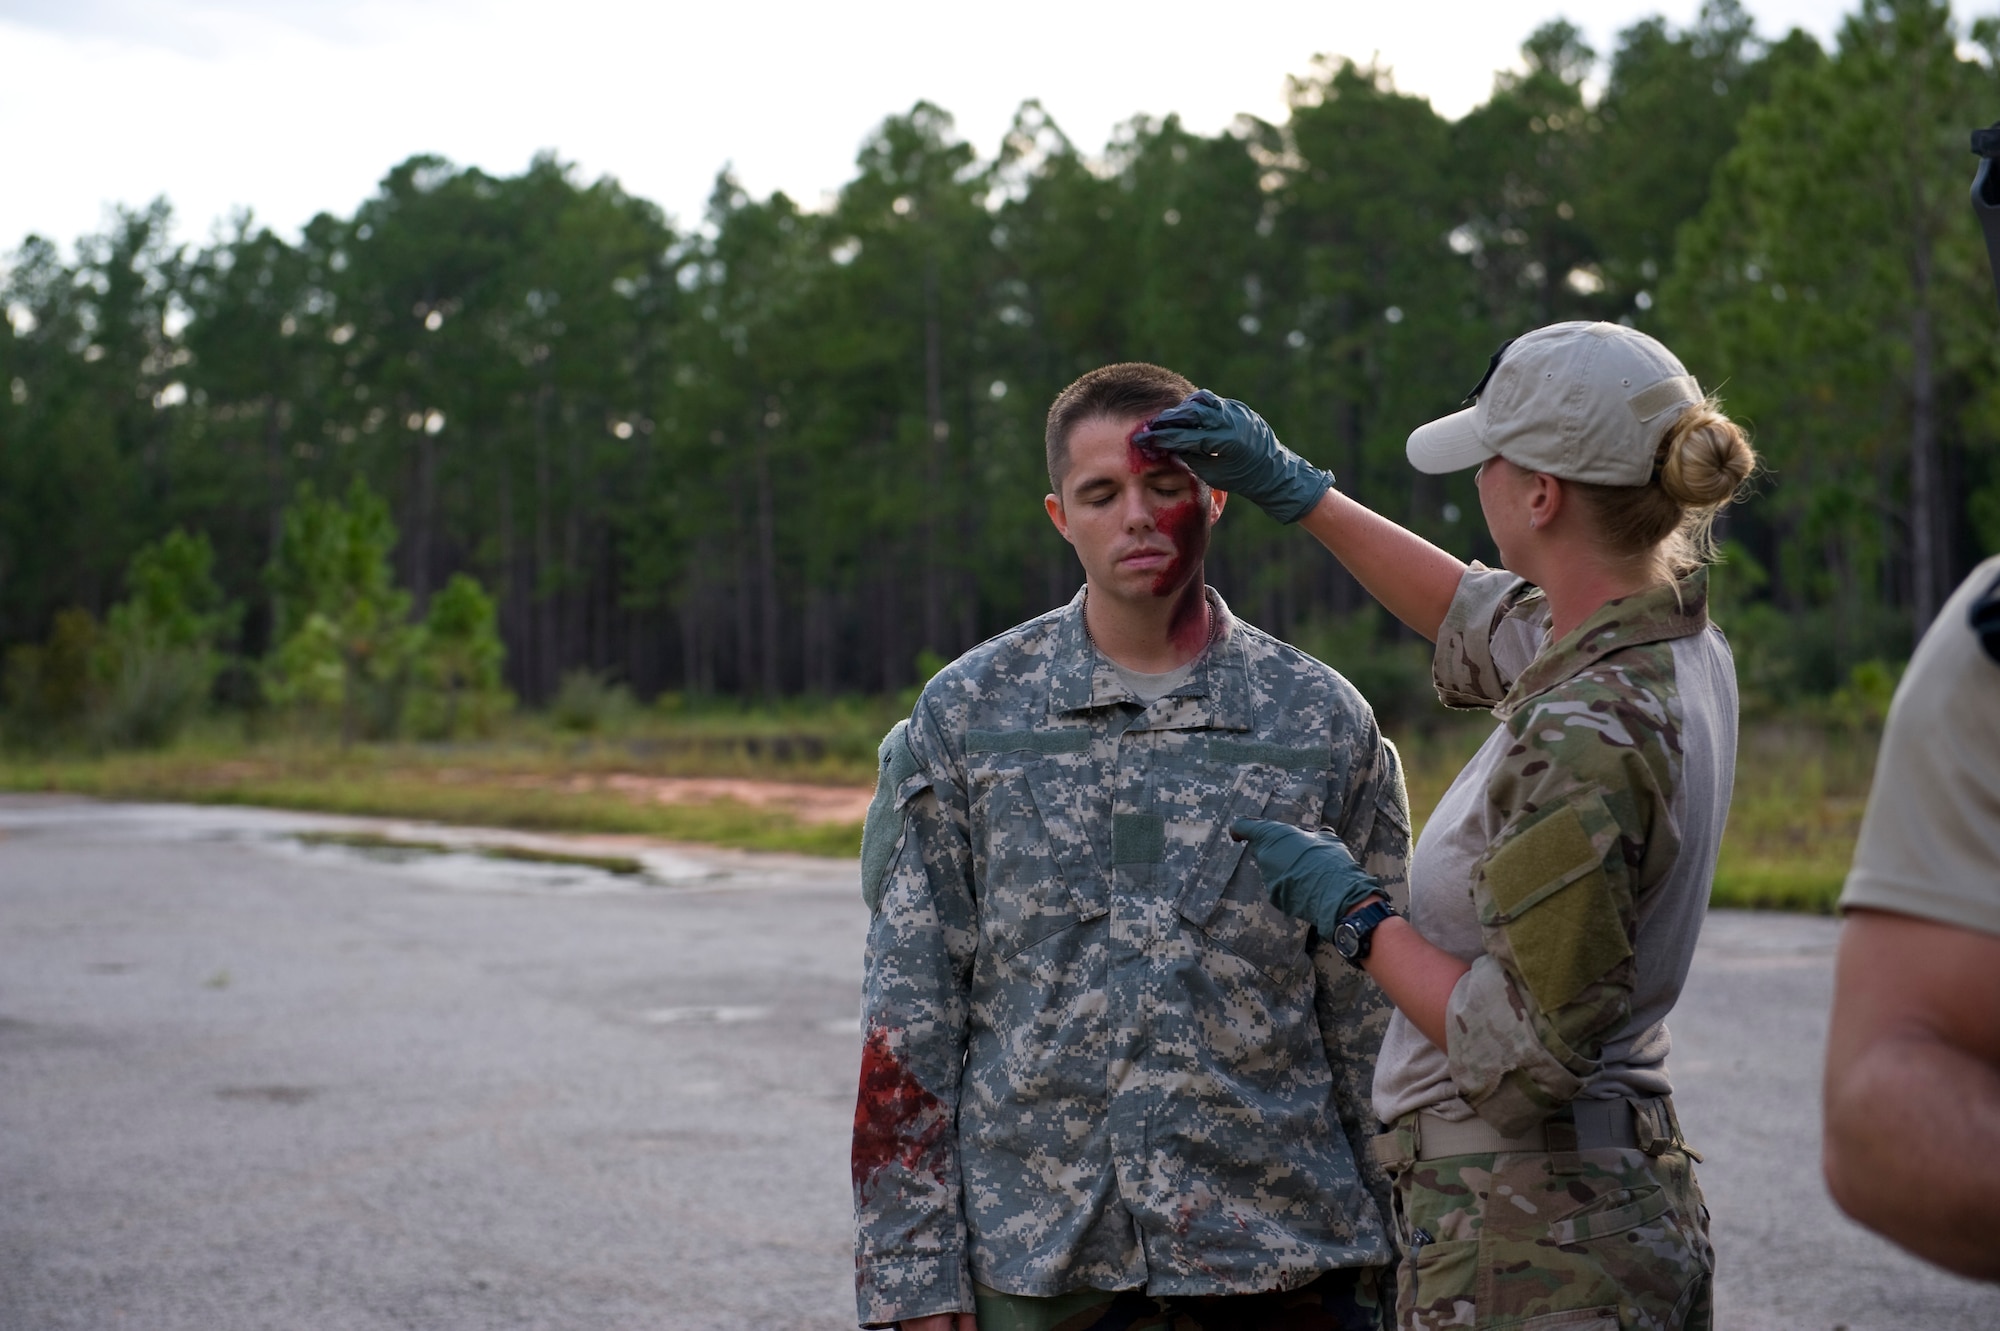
column 1591, row 1240
column 1337, row 1301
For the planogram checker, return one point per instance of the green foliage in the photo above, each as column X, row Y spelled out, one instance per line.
column 50, row 686
column 159, row 655
column 1393, row 674
column 588, row 703
column 340, row 622
column 458, row 661
column 1836, row 283
column 792, row 450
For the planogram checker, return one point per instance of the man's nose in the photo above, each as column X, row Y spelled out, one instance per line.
column 1138, row 512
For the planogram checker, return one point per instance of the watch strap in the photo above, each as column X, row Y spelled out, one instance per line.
column 1361, row 925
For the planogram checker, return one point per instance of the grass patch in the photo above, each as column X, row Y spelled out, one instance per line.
column 374, row 843
column 509, row 786
column 1801, row 785
column 617, row 864
column 1800, row 791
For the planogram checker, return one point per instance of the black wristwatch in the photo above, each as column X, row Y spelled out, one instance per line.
column 1356, row 931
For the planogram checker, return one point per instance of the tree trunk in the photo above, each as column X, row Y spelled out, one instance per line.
column 1926, row 507
column 420, row 539
column 539, row 610
column 274, row 477
column 935, row 459
column 767, row 566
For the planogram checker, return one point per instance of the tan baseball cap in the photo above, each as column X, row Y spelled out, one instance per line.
column 1582, row 401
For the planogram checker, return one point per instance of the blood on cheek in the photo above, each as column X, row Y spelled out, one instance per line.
column 1186, row 525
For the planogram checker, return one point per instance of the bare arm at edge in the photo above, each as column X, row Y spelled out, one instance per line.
column 1912, row 1140
column 1417, row 975
column 941, row 1322
column 1411, row 577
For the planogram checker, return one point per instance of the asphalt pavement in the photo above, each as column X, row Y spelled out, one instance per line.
column 249, row 1082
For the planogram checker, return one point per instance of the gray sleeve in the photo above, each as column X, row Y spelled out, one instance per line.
column 1483, row 645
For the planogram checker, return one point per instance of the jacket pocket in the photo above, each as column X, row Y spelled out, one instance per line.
column 1035, row 872
column 1225, row 897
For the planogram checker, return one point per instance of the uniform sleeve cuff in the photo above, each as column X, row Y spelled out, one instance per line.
column 1463, row 668
column 1503, row 1066
column 893, row 1291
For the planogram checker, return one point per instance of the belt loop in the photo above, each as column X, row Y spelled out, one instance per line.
column 1653, row 1126
column 1395, row 1149
column 1672, row 1119
column 1560, row 1130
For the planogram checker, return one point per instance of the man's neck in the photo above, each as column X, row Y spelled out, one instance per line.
column 1155, row 635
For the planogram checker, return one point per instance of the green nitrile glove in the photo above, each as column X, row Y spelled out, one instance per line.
column 1309, row 875
column 1229, row 446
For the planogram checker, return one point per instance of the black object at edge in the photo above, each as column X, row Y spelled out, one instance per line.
column 1986, row 197
column 1985, row 620
column 1494, row 364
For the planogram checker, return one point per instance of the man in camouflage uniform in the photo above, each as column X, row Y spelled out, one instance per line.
column 1104, row 1081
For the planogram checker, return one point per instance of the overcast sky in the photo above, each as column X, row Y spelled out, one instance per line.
column 293, row 107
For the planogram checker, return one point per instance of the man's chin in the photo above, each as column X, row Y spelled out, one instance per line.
column 1136, row 585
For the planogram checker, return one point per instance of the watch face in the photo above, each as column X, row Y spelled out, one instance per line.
column 1347, row 939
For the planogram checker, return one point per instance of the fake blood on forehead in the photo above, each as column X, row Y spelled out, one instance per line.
column 1142, row 458
column 896, row 1121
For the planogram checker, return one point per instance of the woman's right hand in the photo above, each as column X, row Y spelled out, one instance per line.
column 1230, row 447
column 1310, row 876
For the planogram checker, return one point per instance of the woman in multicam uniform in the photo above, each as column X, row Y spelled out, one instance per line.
column 1556, row 894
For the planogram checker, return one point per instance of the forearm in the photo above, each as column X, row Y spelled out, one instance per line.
column 1912, row 1149
column 910, row 1257
column 1417, row 976
column 1411, row 577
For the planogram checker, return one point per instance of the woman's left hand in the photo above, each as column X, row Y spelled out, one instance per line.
column 1230, row 447
column 1309, row 875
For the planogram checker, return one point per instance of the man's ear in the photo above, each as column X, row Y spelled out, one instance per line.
column 1053, row 505
column 1216, row 500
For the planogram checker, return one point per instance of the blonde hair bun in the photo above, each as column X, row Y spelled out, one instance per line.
column 1705, row 458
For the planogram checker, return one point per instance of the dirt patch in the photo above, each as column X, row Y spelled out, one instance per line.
column 806, row 802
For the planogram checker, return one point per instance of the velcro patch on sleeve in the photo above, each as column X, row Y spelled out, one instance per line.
column 1550, row 895
column 895, row 765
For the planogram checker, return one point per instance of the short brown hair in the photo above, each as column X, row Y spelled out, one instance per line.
column 1130, row 388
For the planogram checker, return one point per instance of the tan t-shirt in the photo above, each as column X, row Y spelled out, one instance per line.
column 1930, row 842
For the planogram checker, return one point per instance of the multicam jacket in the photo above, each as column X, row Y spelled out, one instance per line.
column 1570, row 863
column 1095, row 1055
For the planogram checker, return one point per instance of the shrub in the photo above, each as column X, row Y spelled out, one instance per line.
column 588, row 702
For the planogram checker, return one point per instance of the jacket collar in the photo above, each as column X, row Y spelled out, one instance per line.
column 1658, row 614
column 1216, row 696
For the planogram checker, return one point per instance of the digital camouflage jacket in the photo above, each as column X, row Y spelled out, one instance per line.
column 1095, row 1056
column 1605, row 794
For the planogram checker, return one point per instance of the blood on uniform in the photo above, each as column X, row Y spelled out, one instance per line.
column 896, row 1121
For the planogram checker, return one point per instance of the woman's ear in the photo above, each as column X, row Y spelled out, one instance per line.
column 1545, row 500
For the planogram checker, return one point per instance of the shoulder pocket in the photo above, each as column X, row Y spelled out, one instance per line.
column 1549, row 907
column 896, row 768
